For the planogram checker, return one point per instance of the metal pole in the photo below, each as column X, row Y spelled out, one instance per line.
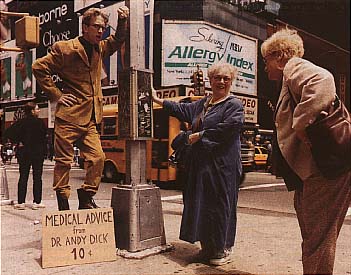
column 4, row 188
column 136, row 204
column 14, row 14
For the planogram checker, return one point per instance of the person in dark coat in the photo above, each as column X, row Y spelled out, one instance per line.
column 30, row 135
column 213, row 177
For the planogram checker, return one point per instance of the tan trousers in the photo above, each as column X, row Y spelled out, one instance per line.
column 321, row 209
column 88, row 140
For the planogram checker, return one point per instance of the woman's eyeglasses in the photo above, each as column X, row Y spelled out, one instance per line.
column 226, row 79
column 268, row 55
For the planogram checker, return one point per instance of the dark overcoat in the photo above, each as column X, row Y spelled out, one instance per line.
column 214, row 170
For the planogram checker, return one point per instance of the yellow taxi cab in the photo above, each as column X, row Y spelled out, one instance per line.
column 261, row 156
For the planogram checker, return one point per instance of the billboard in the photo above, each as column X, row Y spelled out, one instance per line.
column 200, row 43
column 23, row 68
column 5, row 76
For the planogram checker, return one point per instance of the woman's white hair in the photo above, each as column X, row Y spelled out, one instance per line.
column 226, row 66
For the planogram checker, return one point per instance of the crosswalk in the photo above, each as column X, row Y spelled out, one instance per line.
column 13, row 167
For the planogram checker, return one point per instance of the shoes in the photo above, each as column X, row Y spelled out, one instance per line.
column 36, row 206
column 86, row 200
column 20, row 206
column 221, row 258
column 203, row 255
column 62, row 202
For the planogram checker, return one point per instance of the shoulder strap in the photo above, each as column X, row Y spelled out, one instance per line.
column 201, row 114
column 292, row 98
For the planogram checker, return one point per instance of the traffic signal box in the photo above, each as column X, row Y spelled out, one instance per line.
column 27, row 32
column 200, row 82
column 197, row 80
column 194, row 79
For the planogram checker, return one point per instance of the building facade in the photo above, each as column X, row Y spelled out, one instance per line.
column 179, row 36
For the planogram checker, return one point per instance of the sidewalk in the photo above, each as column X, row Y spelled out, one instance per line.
column 266, row 243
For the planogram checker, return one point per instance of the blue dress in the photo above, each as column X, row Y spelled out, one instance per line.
column 214, row 171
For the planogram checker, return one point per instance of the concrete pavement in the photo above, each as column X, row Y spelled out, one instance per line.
column 268, row 242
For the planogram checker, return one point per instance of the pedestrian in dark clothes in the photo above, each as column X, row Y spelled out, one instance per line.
column 30, row 135
column 214, row 165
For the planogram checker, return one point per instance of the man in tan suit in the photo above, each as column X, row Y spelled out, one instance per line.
column 320, row 204
column 78, row 63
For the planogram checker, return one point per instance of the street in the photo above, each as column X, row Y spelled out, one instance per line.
column 268, row 238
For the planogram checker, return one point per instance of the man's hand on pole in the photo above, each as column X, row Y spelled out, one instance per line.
column 123, row 12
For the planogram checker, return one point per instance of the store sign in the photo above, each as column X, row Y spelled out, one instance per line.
column 110, row 100
column 191, row 92
column 250, row 108
column 78, row 237
column 57, row 22
column 250, row 104
column 167, row 93
column 202, row 44
column 15, row 113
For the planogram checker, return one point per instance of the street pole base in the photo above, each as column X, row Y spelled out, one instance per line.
column 6, row 202
column 138, row 217
column 145, row 253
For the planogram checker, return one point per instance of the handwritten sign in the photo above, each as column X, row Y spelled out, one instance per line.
column 78, row 237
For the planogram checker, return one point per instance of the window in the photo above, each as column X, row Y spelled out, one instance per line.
column 109, row 126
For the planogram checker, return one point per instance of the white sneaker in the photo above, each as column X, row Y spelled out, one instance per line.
column 36, row 206
column 220, row 259
column 20, row 206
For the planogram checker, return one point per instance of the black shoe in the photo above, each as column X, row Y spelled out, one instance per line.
column 62, row 202
column 86, row 200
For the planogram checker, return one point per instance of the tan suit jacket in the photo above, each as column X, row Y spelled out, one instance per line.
column 313, row 89
column 80, row 78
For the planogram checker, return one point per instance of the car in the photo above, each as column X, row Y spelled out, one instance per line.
column 261, row 156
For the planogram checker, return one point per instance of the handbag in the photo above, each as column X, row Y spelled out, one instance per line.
column 181, row 147
column 330, row 136
column 180, row 143
column 282, row 168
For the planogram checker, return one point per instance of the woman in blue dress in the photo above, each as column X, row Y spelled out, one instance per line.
column 214, row 166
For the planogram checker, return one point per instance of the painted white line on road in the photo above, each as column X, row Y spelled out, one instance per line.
column 172, row 198
column 262, row 186
column 44, row 169
column 348, row 212
column 180, row 197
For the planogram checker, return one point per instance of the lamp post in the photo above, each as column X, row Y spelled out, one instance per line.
column 136, row 204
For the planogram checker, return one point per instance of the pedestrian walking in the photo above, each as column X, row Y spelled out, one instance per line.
column 78, row 62
column 320, row 204
column 214, row 165
column 30, row 136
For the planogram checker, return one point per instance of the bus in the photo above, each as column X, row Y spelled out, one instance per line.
column 158, row 149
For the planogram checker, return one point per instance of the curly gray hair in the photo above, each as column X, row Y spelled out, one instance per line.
column 286, row 42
